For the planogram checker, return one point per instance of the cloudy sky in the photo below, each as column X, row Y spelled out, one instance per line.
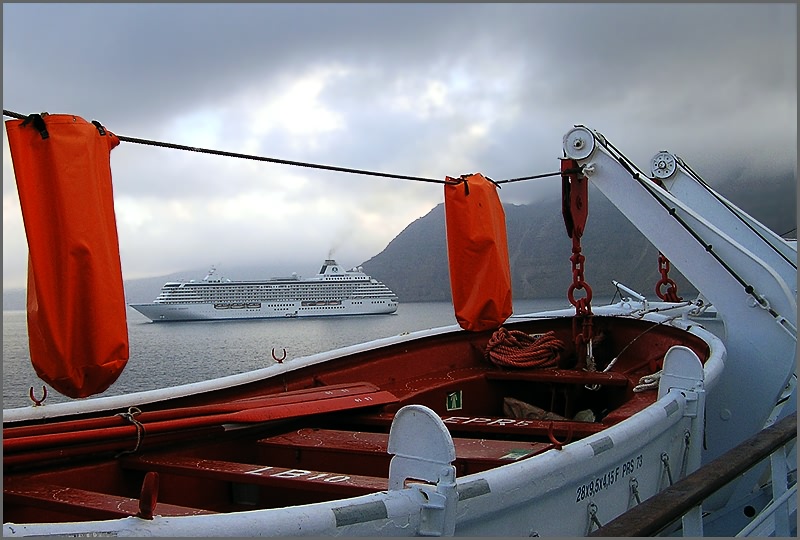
column 410, row 89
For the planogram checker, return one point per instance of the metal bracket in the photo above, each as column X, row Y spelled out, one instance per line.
column 423, row 450
column 682, row 370
column 438, row 513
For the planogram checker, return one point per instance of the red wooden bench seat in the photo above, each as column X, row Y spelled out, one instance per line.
column 262, row 475
column 83, row 503
column 367, row 451
column 498, row 426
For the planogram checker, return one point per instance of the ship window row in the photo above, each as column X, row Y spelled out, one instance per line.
column 218, row 300
column 285, row 296
column 228, row 290
column 274, row 295
column 235, row 299
column 211, row 294
column 329, row 282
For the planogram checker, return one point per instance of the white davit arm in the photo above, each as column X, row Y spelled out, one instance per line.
column 723, row 255
column 687, row 186
column 746, row 271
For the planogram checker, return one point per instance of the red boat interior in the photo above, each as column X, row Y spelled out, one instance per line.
column 320, row 433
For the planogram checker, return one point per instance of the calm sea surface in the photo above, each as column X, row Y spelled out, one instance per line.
column 166, row 354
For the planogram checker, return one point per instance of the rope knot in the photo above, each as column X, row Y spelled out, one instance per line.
column 130, row 416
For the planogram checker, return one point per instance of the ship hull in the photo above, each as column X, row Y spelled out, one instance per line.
column 264, row 310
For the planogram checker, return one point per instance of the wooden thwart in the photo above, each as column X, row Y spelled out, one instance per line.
column 499, row 426
column 84, row 503
column 369, row 450
column 349, row 485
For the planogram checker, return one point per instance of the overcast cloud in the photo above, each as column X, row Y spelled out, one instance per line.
column 411, row 89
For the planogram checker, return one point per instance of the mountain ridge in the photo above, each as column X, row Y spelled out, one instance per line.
column 414, row 264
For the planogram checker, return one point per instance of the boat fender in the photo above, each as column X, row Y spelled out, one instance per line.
column 477, row 253
column 76, row 313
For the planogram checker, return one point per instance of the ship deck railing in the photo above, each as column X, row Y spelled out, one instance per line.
column 678, row 510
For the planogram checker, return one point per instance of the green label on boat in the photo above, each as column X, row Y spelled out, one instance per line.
column 516, row 454
column 454, row 401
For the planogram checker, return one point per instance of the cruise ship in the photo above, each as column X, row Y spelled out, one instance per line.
column 333, row 291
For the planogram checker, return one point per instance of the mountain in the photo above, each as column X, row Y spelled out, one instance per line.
column 414, row 264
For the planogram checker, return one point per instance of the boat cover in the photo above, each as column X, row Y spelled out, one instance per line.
column 477, row 252
column 77, row 325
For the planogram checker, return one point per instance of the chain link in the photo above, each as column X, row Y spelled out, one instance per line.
column 671, row 292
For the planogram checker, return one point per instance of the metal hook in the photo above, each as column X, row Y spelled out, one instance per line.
column 281, row 359
column 556, row 443
column 37, row 402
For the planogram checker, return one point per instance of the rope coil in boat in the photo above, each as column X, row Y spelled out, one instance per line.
column 648, row 382
column 515, row 348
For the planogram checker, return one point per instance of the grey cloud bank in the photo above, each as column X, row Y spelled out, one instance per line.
column 416, row 89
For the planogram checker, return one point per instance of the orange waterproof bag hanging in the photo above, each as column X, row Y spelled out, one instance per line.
column 477, row 252
column 77, row 327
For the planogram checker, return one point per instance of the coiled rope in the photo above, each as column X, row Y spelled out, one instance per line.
column 514, row 348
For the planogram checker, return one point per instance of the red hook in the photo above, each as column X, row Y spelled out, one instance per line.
column 37, row 402
column 556, row 443
column 281, row 359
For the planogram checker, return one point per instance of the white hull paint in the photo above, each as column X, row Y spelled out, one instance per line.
column 258, row 310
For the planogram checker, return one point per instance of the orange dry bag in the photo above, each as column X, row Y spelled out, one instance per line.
column 477, row 252
column 77, row 327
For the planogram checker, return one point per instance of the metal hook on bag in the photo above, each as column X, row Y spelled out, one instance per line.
column 37, row 402
column 281, row 359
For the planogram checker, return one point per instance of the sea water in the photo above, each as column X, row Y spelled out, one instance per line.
column 168, row 354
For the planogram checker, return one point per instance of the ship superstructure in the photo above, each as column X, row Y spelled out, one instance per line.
column 333, row 291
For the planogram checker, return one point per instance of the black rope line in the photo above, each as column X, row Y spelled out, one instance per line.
column 279, row 161
column 534, row 177
column 258, row 158
column 641, row 177
column 13, row 115
column 293, row 163
column 727, row 204
column 650, row 187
